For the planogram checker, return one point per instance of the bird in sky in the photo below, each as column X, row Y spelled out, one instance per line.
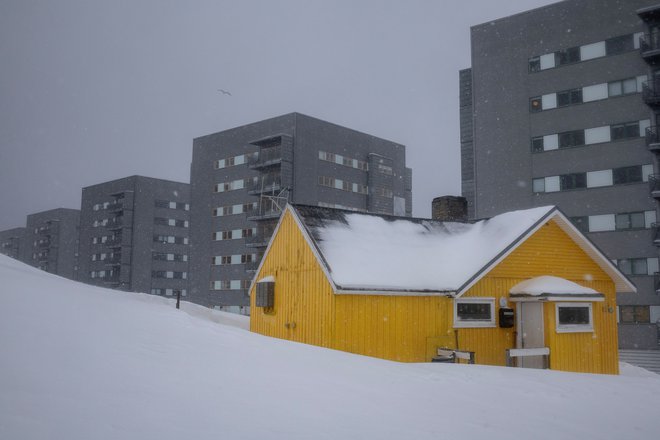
column 224, row 92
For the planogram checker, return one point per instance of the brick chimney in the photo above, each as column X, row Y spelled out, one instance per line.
column 449, row 209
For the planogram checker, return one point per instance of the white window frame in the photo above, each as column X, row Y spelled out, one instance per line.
column 475, row 324
column 574, row 328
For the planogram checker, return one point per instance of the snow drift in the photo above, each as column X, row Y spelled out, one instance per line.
column 80, row 362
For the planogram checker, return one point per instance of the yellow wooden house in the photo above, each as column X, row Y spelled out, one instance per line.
column 523, row 288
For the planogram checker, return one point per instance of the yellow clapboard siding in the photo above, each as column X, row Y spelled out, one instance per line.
column 410, row 329
column 550, row 251
column 303, row 296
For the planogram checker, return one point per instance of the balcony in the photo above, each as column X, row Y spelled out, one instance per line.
column 115, row 260
column 113, row 280
column 649, row 47
column 116, row 206
column 266, row 157
column 654, row 185
column 114, row 241
column 272, row 213
column 259, row 240
column 655, row 227
column 266, row 184
column 115, row 223
column 651, row 92
column 653, row 139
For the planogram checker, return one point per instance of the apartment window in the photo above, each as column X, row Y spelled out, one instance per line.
column 623, row 87
column 384, row 169
column 230, row 284
column 343, row 160
column 535, row 64
column 160, row 256
column 634, row 314
column 572, row 181
column 569, row 97
column 571, row 139
column 170, row 239
column 168, row 274
column 623, row 175
column 625, row 131
column 383, row 192
column 581, row 222
column 474, row 312
column 638, row 266
column 171, row 222
column 574, row 317
column 567, row 56
column 618, row 45
column 630, row 220
column 535, row 104
column 169, row 292
column 537, row 144
column 172, row 205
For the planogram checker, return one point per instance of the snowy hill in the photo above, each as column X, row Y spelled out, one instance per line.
column 79, row 362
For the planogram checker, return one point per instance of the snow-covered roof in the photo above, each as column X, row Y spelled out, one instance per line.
column 546, row 286
column 364, row 252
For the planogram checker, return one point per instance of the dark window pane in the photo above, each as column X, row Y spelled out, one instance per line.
column 563, row 99
column 626, row 314
column 642, row 314
column 637, row 220
column 639, row 266
column 571, row 139
column 582, row 223
column 622, row 221
column 473, row 311
column 627, row 175
column 573, row 315
column 535, row 104
column 620, row 44
column 567, row 56
column 537, row 144
column 573, row 181
column 617, row 131
column 625, row 266
column 534, row 64
column 632, row 130
column 576, row 96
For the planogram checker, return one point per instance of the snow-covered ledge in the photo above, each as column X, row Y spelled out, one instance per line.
column 550, row 288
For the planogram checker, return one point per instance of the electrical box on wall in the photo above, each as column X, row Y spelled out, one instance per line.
column 506, row 317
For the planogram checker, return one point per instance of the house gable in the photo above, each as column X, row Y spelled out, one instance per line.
column 304, row 302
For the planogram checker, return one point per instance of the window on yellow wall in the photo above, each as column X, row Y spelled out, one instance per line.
column 574, row 317
column 474, row 312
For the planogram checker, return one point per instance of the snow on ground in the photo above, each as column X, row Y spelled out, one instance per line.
column 79, row 362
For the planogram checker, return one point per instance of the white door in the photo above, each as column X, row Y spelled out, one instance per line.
column 530, row 332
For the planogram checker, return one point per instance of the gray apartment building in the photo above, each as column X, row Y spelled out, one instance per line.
column 134, row 235
column 241, row 179
column 12, row 242
column 51, row 241
column 559, row 108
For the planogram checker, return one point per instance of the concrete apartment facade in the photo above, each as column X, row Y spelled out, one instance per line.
column 51, row 241
column 241, row 179
column 134, row 235
column 555, row 111
column 12, row 242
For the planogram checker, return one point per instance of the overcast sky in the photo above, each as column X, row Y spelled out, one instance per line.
column 93, row 91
